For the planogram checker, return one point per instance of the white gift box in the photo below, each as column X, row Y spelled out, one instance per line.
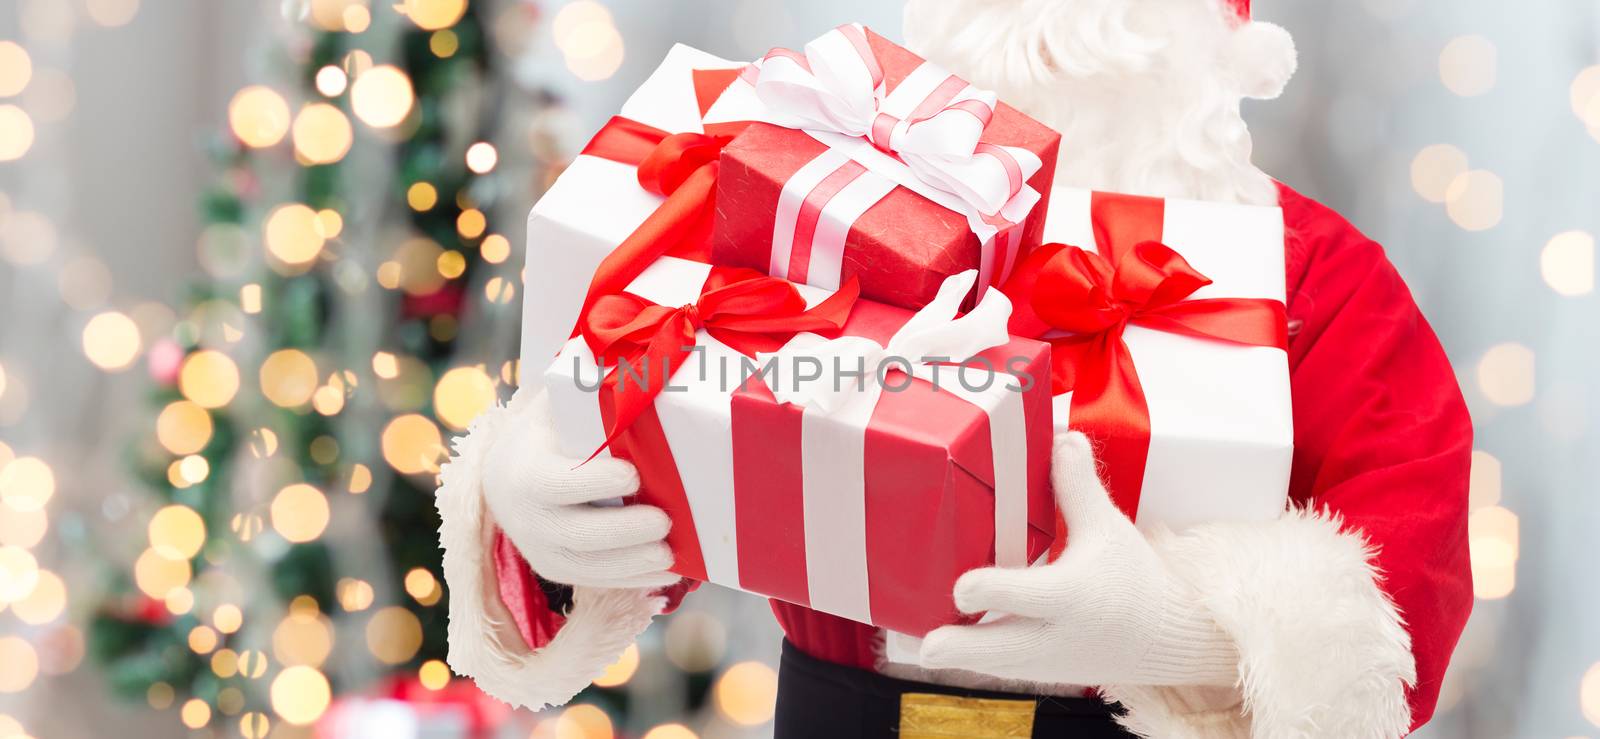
column 1221, row 423
column 1221, row 427
column 595, row 204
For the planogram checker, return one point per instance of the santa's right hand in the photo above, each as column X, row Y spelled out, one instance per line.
column 546, row 502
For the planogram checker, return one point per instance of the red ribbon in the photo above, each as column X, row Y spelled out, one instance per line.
column 1140, row 282
column 742, row 308
column 681, row 167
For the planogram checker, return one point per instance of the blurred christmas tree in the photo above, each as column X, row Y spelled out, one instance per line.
column 300, row 405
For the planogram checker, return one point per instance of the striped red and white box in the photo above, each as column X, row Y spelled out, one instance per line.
column 871, row 162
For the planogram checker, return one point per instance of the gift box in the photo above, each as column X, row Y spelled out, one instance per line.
column 598, row 202
column 883, row 167
column 1186, row 389
column 864, row 502
column 1168, row 334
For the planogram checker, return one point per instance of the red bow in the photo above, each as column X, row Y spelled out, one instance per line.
column 1064, row 288
column 681, row 167
column 744, row 309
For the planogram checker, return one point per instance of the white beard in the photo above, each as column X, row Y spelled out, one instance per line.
column 1145, row 93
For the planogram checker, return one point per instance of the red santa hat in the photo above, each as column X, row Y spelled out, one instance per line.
column 1260, row 55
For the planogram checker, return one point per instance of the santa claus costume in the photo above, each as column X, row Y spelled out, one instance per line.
column 1335, row 620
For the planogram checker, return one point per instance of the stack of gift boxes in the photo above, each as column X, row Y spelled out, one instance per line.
column 834, row 308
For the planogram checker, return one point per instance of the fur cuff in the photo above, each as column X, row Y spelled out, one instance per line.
column 1323, row 651
column 484, row 642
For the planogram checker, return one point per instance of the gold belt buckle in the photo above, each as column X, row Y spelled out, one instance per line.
column 934, row 716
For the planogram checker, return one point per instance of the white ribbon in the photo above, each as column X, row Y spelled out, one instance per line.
column 853, row 368
column 932, row 122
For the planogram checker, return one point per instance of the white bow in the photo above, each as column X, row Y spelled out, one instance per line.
column 932, row 121
column 853, row 367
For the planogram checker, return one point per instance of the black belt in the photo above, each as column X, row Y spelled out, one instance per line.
column 822, row 699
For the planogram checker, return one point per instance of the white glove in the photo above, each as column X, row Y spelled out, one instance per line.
column 1107, row 612
column 541, row 499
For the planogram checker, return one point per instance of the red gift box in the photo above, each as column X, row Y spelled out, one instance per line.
column 904, row 245
column 870, row 512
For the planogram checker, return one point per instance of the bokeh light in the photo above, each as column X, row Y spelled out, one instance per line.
column 1485, row 480
column 209, row 378
column 422, row 586
column 45, row 602
column 254, row 725
column 1475, row 200
column 288, row 378
column 584, row 720
column 382, row 96
column 259, row 116
column 157, row 575
column 1493, row 539
column 183, row 427
column 394, row 635
column 195, row 713
column 431, row 15
column 16, row 133
column 111, row 341
column 22, row 528
column 293, row 234
column 322, row 133
column 331, row 81
column 671, row 731
column 300, row 513
column 1467, row 65
column 462, row 394
column 26, row 238
column 434, row 674
column 470, row 223
column 16, row 68
column 747, row 693
column 1589, row 694
column 300, row 694
column 1434, row 168
column 1506, row 374
column 1584, row 96
column 354, row 594
column 1567, row 263
column 695, row 641
column 177, row 532
column 21, row 664
column 227, row 618
column 481, row 157
column 19, row 574
column 412, row 444
column 302, row 638
column 27, row 484
column 112, row 13
column 202, row 639
column 495, row 248
column 619, row 672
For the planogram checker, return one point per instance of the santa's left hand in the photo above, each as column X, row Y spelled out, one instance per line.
column 1107, row 612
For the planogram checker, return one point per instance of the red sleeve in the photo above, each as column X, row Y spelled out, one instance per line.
column 1382, row 435
column 539, row 607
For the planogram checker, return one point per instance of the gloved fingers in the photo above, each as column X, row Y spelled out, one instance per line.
column 1031, row 591
column 598, row 528
column 552, row 479
column 635, row 566
column 985, row 647
column 1080, row 495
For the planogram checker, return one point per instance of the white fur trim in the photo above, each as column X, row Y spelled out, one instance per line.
column 484, row 642
column 1323, row 651
column 1262, row 58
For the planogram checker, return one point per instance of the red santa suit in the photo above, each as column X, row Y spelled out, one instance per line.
column 1345, row 610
